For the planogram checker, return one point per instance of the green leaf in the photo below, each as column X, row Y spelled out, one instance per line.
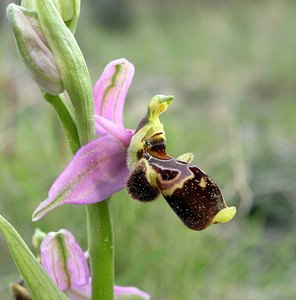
column 38, row 282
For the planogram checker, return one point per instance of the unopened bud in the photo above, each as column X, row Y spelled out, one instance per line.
column 64, row 260
column 34, row 50
column 37, row 239
column 69, row 10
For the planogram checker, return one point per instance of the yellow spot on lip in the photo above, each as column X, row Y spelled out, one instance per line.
column 224, row 215
column 202, row 182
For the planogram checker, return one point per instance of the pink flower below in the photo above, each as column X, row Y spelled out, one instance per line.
column 66, row 264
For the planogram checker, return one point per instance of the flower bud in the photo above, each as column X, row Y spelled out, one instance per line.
column 37, row 239
column 34, row 50
column 64, row 260
column 68, row 9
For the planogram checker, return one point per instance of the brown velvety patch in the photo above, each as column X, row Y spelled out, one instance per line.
column 139, row 187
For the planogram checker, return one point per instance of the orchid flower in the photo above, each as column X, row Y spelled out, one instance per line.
column 66, row 264
column 99, row 168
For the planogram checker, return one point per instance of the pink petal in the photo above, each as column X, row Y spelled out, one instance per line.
column 80, row 292
column 96, row 171
column 111, row 89
column 121, row 291
column 63, row 259
column 120, row 133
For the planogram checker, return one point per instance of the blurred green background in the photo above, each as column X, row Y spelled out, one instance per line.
column 232, row 68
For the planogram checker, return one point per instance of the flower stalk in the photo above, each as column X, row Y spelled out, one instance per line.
column 72, row 66
column 66, row 120
column 101, row 250
column 77, row 82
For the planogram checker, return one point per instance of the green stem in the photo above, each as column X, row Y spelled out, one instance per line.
column 66, row 119
column 101, row 250
column 99, row 224
column 76, row 80
column 72, row 67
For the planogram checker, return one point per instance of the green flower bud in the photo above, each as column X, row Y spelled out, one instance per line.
column 68, row 9
column 29, row 4
column 37, row 239
column 34, row 50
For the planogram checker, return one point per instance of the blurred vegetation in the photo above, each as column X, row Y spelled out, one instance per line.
column 231, row 66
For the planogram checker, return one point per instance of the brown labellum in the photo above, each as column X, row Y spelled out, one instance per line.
column 189, row 191
column 196, row 199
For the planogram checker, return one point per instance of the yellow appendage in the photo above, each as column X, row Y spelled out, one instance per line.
column 224, row 215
